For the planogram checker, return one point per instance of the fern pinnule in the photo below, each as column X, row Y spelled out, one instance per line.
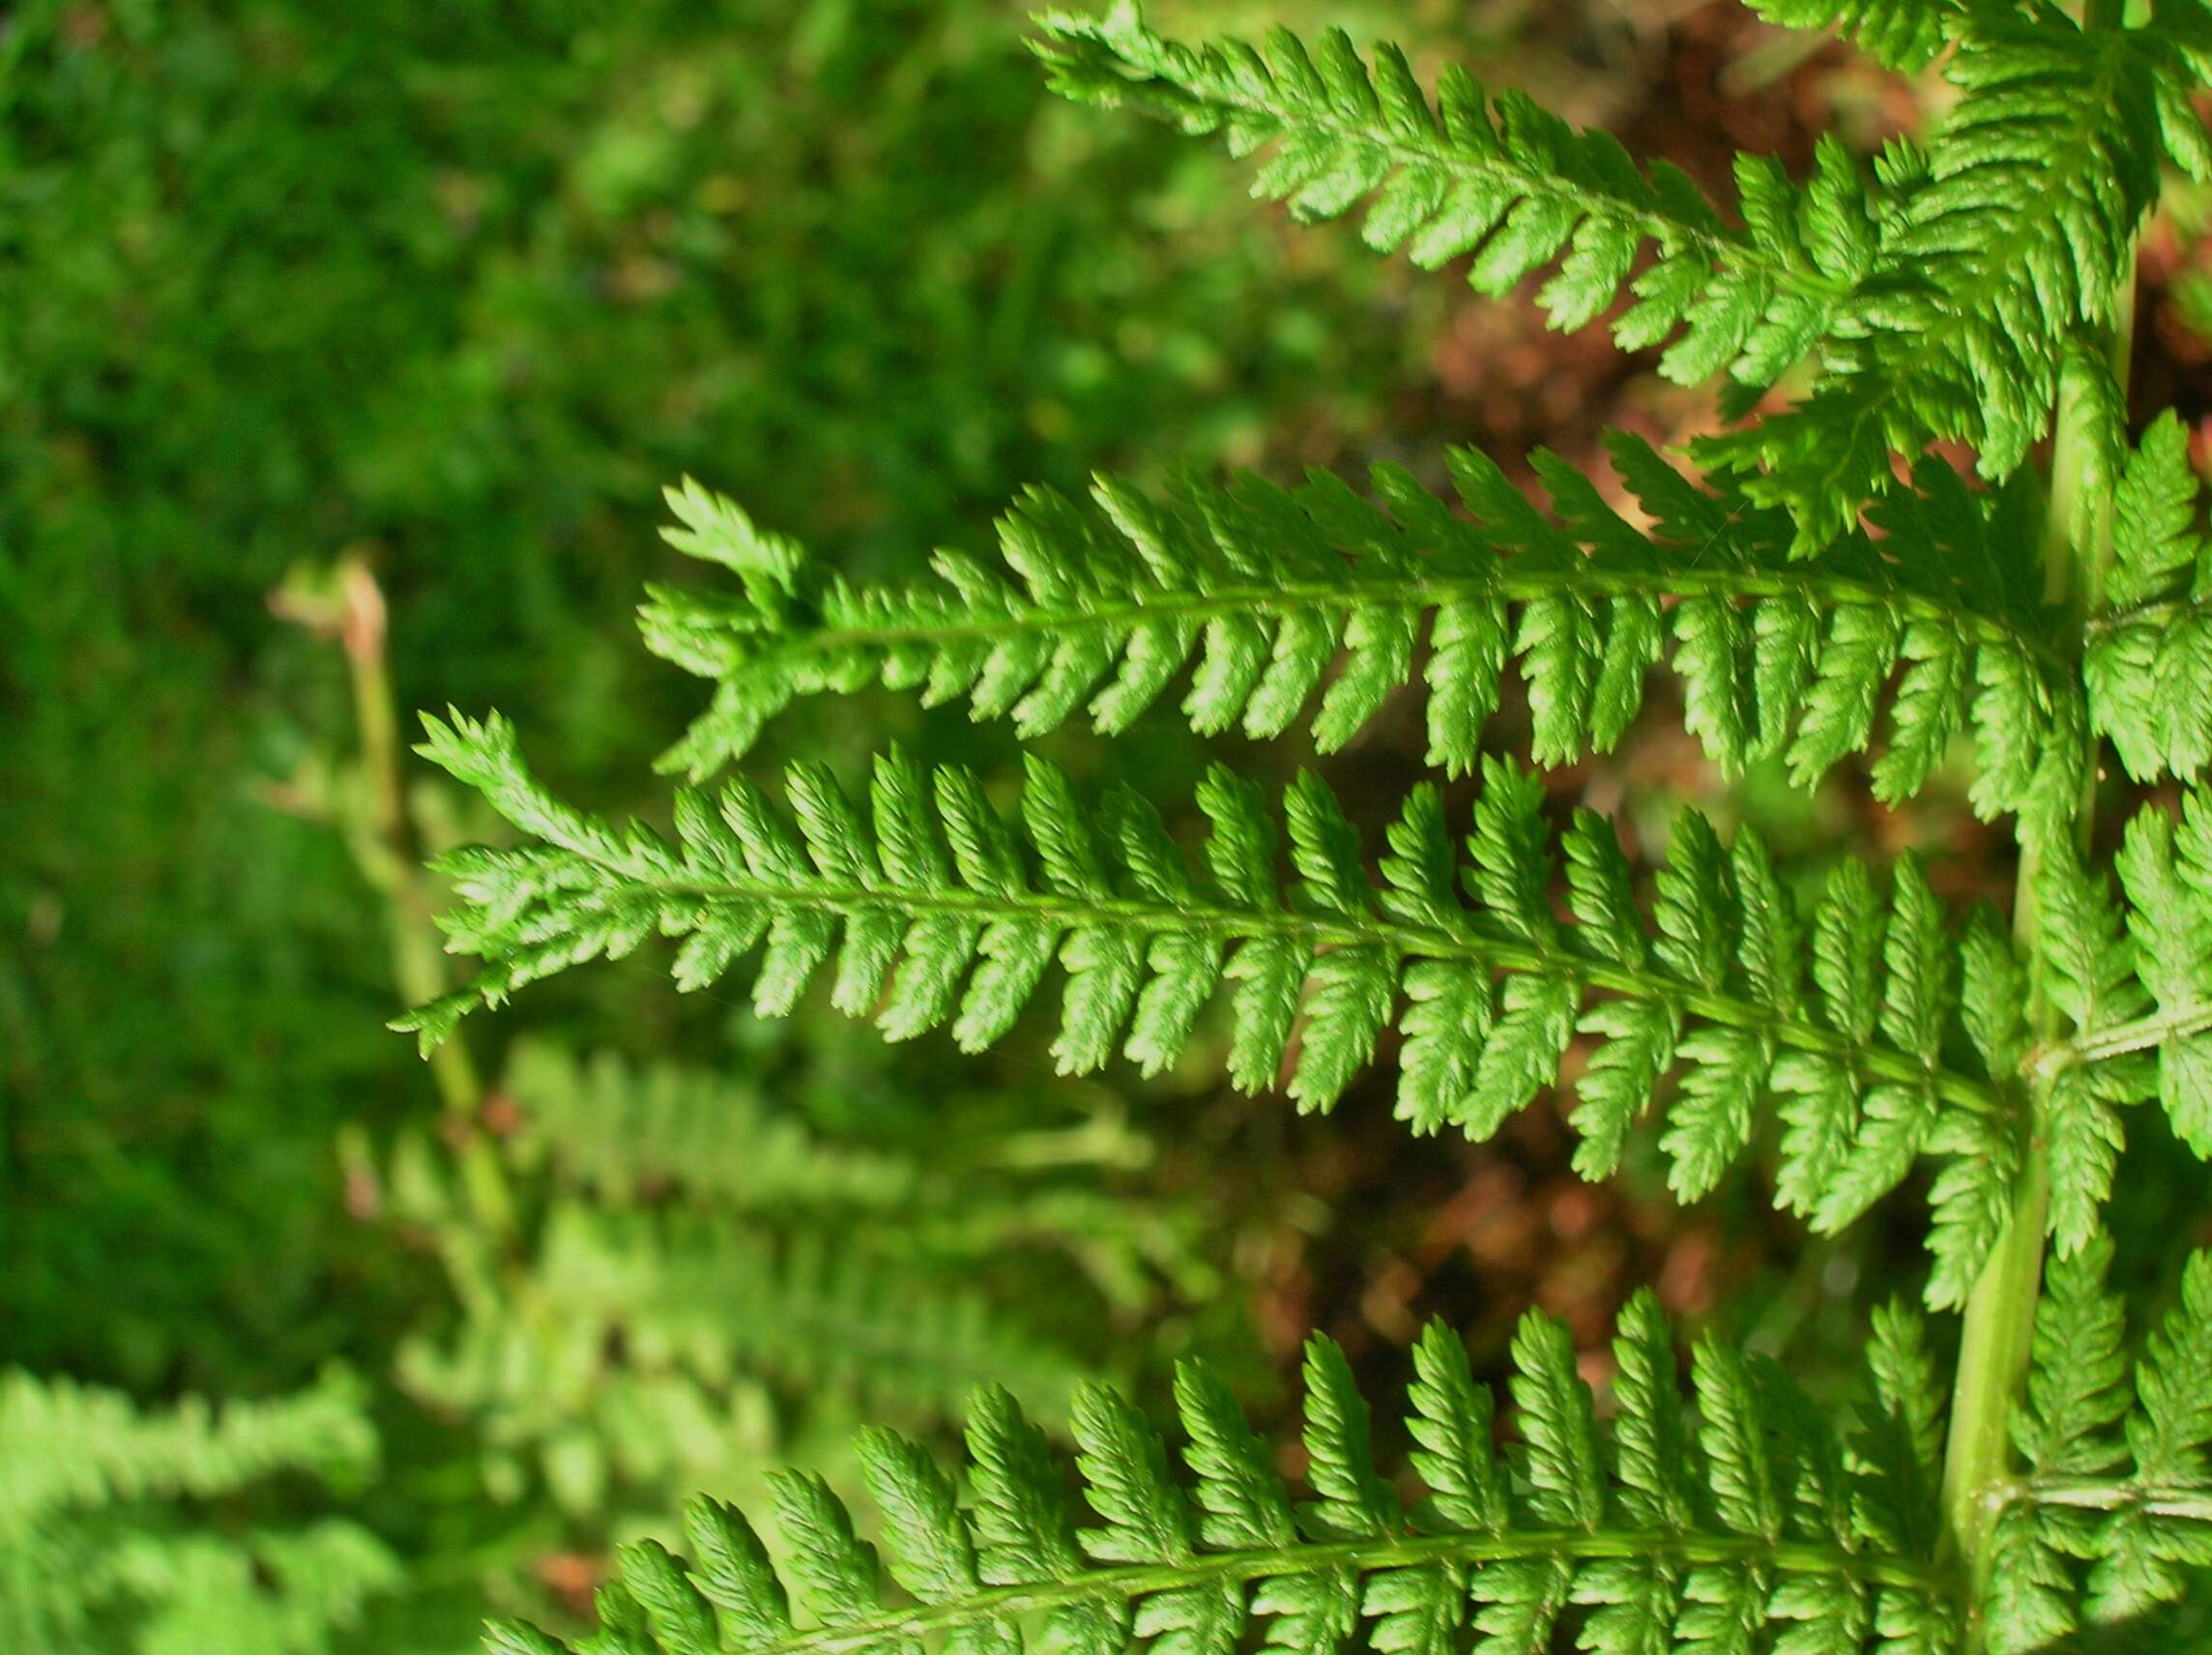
column 2008, row 241
column 1903, row 35
column 2148, row 660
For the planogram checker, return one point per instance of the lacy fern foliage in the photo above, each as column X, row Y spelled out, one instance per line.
column 1258, row 591
column 1651, row 1529
column 2148, row 658
column 1946, row 298
column 2118, row 1461
column 1830, row 594
column 693, row 1282
column 1901, row 33
column 1505, row 180
column 1878, row 1030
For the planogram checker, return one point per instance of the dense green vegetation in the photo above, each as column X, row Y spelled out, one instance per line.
column 344, row 357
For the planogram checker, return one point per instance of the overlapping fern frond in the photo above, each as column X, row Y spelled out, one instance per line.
column 704, row 1294
column 2010, row 243
column 622, row 1135
column 2118, row 1463
column 1258, row 591
column 686, row 1261
column 1901, row 33
column 1901, row 1039
column 2135, row 980
column 1948, row 303
column 1648, row 1534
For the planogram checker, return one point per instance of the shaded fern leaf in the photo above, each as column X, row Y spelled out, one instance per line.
column 708, row 1300
column 1901, row 33
column 128, row 1526
column 2135, row 980
column 927, row 915
column 1101, row 605
column 1018, row 1566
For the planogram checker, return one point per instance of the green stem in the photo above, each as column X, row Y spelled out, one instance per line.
column 392, row 863
column 1993, row 1349
column 1996, row 1340
column 1000, row 1606
column 1510, row 583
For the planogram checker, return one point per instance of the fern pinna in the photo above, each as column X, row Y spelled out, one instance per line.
column 1763, row 1513
column 1758, row 1519
column 1827, row 589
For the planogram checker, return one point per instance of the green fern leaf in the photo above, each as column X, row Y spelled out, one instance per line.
column 2119, row 1473
column 1616, row 1530
column 2148, row 661
column 1902, row 34
column 1504, row 180
column 1259, row 589
column 2011, row 233
column 1710, row 989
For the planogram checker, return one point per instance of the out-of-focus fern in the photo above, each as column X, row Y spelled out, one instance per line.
column 625, row 1135
column 120, row 1527
column 1902, row 34
column 1760, row 1515
column 626, row 1335
column 701, row 1282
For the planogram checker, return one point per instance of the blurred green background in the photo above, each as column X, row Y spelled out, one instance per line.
column 343, row 353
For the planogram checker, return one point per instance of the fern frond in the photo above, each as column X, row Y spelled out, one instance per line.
column 129, row 1528
column 624, row 1135
column 1259, row 589
column 621, row 1132
column 1504, row 180
column 1608, row 1525
column 684, row 1292
column 2134, row 981
column 1901, row 33
column 1710, row 987
column 74, row 1446
column 1947, row 304
column 2010, row 236
column 2148, row 661
column 2119, row 1465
